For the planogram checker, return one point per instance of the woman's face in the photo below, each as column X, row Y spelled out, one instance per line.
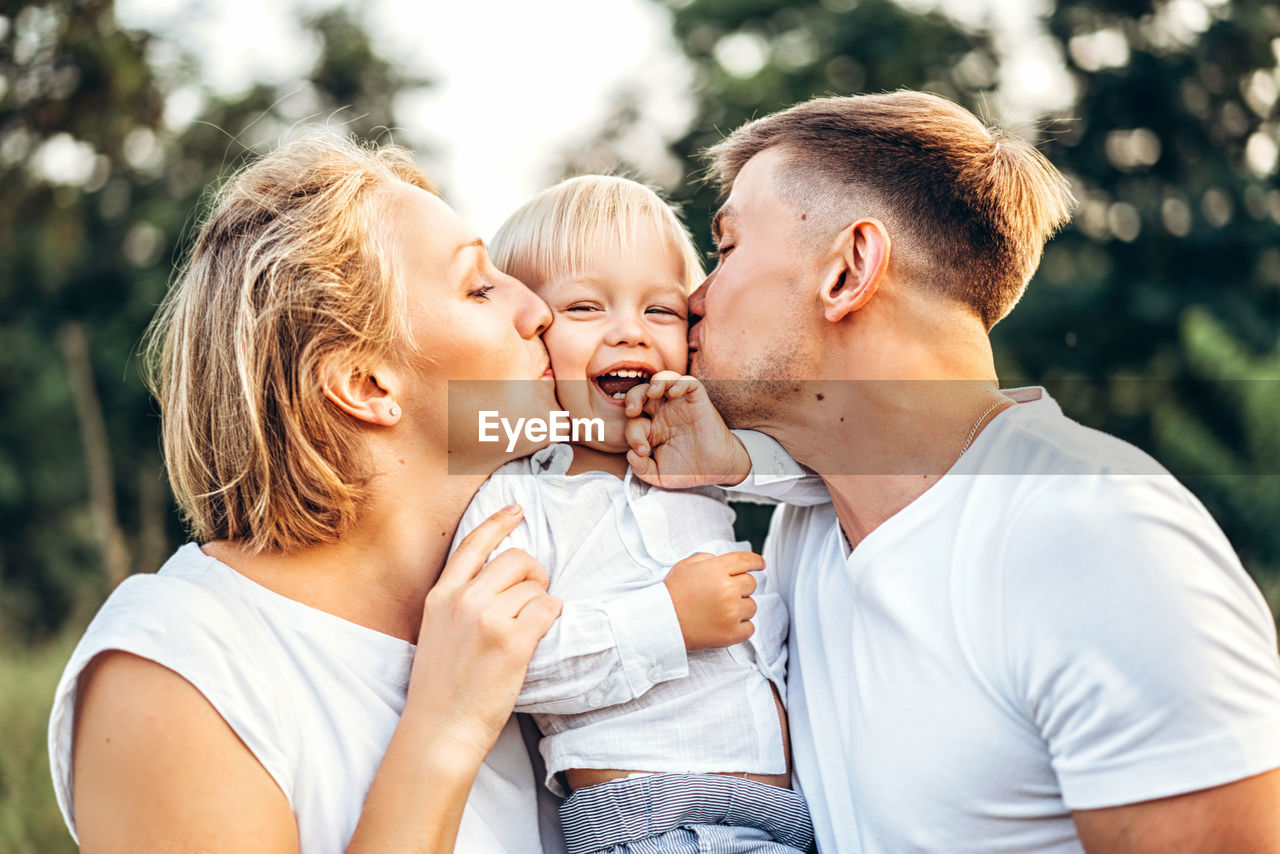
column 477, row 331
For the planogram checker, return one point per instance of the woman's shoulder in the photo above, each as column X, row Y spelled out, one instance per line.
column 190, row 592
column 193, row 619
column 194, row 612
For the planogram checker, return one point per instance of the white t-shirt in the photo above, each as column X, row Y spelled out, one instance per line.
column 313, row 696
column 1069, row 632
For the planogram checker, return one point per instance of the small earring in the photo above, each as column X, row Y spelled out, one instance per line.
column 394, row 412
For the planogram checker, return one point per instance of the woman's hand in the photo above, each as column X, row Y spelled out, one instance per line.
column 480, row 625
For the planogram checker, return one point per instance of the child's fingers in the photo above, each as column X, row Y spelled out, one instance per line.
column 641, row 467
column 740, row 563
column 660, row 382
column 636, row 434
column 682, row 386
column 634, row 401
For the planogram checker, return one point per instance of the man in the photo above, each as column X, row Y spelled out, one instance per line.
column 1064, row 657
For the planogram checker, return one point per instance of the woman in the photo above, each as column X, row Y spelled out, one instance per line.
column 261, row 692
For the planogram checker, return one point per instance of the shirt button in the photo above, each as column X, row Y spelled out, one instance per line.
column 778, row 468
column 594, row 699
column 655, row 673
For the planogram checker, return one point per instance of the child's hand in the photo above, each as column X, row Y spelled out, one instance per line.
column 677, row 437
column 712, row 597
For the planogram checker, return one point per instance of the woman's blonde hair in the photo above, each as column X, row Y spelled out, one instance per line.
column 558, row 231
column 288, row 272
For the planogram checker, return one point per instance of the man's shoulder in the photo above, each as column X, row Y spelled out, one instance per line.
column 1037, row 438
column 1088, row 517
column 1036, row 463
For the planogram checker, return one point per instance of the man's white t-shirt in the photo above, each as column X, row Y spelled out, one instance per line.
column 1056, row 624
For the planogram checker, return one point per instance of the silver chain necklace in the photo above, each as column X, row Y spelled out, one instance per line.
column 974, row 432
column 967, row 442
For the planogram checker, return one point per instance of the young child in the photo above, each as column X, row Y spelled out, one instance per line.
column 659, row 737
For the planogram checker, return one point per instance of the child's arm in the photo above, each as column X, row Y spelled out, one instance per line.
column 775, row 477
column 605, row 653
column 679, row 440
column 611, row 652
column 601, row 653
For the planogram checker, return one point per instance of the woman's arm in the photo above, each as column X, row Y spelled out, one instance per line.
column 485, row 620
column 157, row 769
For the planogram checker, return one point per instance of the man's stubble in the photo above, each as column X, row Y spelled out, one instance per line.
column 765, row 387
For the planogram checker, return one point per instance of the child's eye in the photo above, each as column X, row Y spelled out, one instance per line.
column 481, row 292
column 662, row 309
column 719, row 253
column 583, row 306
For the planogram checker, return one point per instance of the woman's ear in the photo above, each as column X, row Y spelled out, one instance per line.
column 862, row 260
column 365, row 395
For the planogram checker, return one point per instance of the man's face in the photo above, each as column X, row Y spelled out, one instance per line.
column 756, row 309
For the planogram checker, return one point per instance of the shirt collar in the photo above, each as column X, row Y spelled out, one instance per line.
column 553, row 459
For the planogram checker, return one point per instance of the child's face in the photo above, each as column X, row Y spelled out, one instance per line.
column 617, row 323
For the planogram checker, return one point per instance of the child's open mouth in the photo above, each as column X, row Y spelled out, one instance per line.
column 616, row 383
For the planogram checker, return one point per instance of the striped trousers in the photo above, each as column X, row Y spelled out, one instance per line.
column 686, row 814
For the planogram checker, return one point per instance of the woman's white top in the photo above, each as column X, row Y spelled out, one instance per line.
column 314, row 697
column 610, row 685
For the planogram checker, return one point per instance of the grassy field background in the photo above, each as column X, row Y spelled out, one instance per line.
column 29, row 819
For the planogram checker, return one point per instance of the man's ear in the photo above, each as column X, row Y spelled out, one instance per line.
column 861, row 262
column 366, row 395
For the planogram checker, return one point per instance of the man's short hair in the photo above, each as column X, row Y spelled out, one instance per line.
column 559, row 231
column 969, row 208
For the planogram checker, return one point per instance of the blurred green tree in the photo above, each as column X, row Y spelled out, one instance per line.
column 1152, row 314
column 1171, row 270
column 107, row 142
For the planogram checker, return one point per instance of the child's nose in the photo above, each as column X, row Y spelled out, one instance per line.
column 626, row 328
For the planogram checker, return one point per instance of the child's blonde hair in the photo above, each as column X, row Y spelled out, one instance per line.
column 556, row 232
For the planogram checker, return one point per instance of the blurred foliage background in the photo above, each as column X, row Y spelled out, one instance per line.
column 1154, row 315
